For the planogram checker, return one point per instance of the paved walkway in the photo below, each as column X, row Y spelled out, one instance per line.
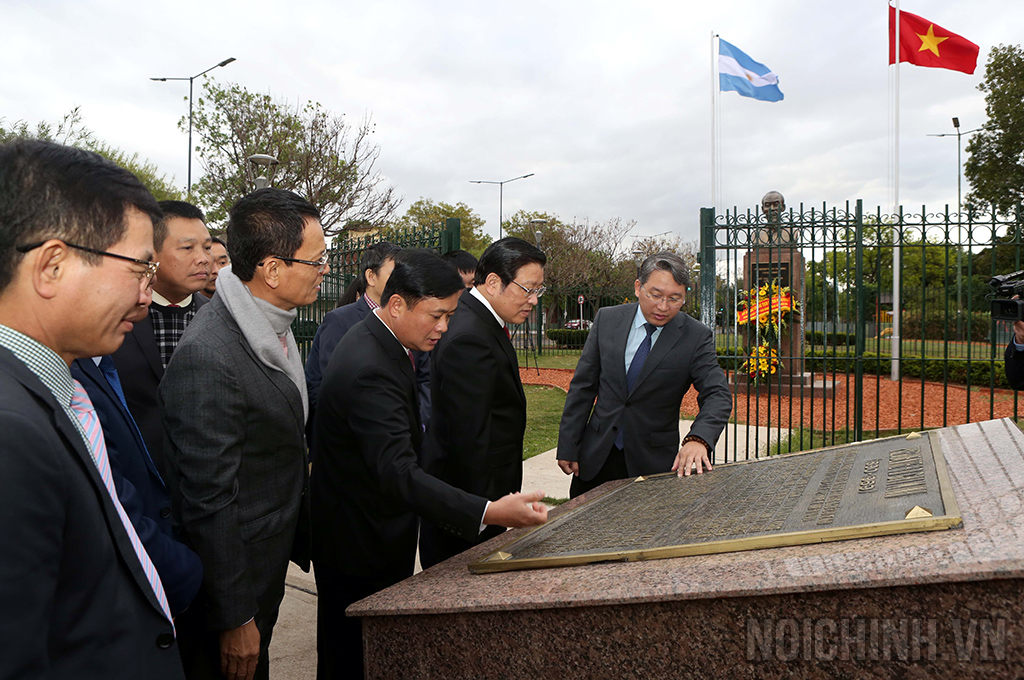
column 293, row 649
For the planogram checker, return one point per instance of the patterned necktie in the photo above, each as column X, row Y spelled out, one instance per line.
column 635, row 366
column 83, row 408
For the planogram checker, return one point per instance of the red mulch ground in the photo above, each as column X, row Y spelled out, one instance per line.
column 882, row 407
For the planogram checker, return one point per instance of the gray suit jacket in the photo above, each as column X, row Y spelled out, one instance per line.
column 683, row 355
column 237, row 469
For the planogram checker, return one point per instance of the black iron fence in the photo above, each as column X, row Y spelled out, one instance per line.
column 836, row 326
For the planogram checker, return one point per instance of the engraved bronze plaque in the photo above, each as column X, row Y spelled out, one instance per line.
column 886, row 486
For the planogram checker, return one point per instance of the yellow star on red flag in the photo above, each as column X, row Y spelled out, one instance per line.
column 929, row 41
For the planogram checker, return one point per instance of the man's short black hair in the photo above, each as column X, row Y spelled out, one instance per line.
column 49, row 191
column 420, row 274
column 174, row 209
column 461, row 260
column 374, row 256
column 266, row 222
column 218, row 239
column 505, row 258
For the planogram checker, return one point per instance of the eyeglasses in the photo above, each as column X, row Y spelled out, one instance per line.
column 146, row 274
column 531, row 291
column 319, row 264
column 658, row 298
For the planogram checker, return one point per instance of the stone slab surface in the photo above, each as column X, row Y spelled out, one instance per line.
column 986, row 468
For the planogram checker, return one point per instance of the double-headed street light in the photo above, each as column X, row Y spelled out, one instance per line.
column 959, row 210
column 501, row 193
column 190, row 79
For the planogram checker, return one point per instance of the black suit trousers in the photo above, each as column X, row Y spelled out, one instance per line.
column 614, row 468
column 200, row 646
column 339, row 638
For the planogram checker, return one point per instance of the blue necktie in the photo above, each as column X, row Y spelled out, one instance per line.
column 106, row 365
column 109, row 371
column 635, row 366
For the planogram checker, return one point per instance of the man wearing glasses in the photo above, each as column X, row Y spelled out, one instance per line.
column 79, row 596
column 478, row 409
column 638, row 362
column 235, row 408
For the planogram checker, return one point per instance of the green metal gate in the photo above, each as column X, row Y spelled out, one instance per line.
column 865, row 368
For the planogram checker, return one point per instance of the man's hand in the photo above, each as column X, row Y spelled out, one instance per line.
column 570, row 467
column 1018, row 328
column 239, row 651
column 517, row 510
column 692, row 453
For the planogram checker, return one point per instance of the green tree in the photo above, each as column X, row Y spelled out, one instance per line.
column 322, row 157
column 71, row 131
column 995, row 164
column 428, row 213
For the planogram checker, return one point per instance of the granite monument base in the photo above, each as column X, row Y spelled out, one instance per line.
column 925, row 605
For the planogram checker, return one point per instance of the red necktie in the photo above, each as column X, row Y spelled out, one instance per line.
column 508, row 333
column 412, row 360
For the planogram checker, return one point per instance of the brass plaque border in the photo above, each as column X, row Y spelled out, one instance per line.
column 503, row 559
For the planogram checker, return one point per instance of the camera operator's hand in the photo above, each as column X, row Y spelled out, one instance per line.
column 1018, row 328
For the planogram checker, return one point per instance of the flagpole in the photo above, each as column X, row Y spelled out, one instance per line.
column 714, row 128
column 898, row 245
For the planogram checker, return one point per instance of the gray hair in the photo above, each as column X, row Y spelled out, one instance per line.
column 666, row 262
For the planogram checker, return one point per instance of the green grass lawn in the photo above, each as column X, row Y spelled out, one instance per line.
column 543, row 412
column 563, row 359
column 806, row 440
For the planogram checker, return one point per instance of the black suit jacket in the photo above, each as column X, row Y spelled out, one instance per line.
column 237, row 469
column 475, row 441
column 366, row 484
column 1013, row 364
column 683, row 355
column 141, row 490
column 332, row 329
column 141, row 370
column 74, row 600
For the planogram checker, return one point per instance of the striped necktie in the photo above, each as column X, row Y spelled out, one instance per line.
column 86, row 413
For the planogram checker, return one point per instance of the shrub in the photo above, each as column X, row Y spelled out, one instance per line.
column 566, row 337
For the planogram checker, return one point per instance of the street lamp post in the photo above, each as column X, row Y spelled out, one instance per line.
column 268, row 163
column 501, row 193
column 959, row 210
column 190, row 79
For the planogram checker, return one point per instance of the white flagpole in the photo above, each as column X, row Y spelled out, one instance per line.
column 714, row 127
column 898, row 245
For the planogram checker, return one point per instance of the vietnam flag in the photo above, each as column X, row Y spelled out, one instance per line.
column 923, row 43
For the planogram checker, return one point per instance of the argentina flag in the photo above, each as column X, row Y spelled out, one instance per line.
column 741, row 74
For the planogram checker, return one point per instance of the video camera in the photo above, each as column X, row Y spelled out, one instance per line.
column 1003, row 288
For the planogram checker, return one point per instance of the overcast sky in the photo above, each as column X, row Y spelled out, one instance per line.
column 608, row 103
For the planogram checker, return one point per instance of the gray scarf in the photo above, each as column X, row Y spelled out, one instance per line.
column 263, row 326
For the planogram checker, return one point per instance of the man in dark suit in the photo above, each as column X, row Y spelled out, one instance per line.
column 79, row 597
column 375, row 264
column 183, row 251
column 234, row 413
column 366, row 484
column 139, row 486
column 1013, row 359
column 638, row 362
column 479, row 414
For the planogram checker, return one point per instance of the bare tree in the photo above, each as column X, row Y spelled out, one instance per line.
column 323, row 158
